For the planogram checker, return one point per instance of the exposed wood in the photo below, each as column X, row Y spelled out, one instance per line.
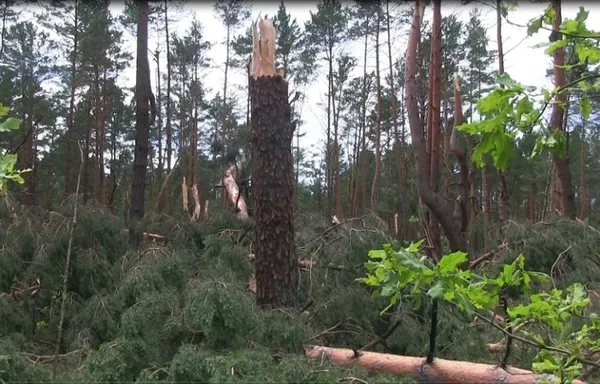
column 197, row 205
column 184, row 195
column 263, row 49
column 440, row 371
column 232, row 190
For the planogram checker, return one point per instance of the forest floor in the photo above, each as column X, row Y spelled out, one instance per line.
column 182, row 310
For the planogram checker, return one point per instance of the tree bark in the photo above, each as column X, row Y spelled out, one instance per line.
column 503, row 203
column 272, row 175
column 73, row 86
column 440, row 371
column 377, row 174
column 168, row 127
column 142, row 126
column 433, row 200
column 561, row 164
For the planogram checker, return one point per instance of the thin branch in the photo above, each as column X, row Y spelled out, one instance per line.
column 538, row 345
column 63, row 302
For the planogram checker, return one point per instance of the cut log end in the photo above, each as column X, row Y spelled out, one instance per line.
column 263, row 49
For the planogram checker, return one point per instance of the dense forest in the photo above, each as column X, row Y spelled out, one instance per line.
column 442, row 231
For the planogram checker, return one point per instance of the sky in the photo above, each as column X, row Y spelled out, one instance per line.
column 524, row 61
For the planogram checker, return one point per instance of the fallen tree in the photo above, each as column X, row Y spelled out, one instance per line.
column 440, row 371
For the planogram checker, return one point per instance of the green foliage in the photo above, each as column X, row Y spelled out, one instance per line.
column 14, row 368
column 8, row 161
column 564, row 338
column 511, row 109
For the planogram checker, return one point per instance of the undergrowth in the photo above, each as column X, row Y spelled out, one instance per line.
column 180, row 310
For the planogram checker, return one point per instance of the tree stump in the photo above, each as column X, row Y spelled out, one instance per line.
column 272, row 174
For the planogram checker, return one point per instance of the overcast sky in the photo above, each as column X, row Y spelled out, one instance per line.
column 523, row 61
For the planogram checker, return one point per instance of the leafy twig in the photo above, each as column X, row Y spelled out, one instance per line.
column 538, row 345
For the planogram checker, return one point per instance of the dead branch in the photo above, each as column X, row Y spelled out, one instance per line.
column 440, row 371
column 66, row 271
column 302, row 263
column 383, row 337
column 44, row 359
column 486, row 256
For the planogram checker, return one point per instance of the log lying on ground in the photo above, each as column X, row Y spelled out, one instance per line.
column 440, row 371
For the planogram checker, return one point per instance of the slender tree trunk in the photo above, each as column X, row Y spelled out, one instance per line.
column 71, row 116
column 363, row 125
column 159, row 121
column 101, row 142
column 336, row 155
column 329, row 150
column 26, row 159
column 3, row 33
column 434, row 131
column 503, row 204
column 142, row 125
column 224, row 106
column 273, row 177
column 436, row 203
column 377, row 174
column 561, row 164
column 583, row 194
column 169, row 128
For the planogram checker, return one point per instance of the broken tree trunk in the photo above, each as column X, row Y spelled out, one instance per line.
column 272, row 174
column 432, row 198
column 234, row 195
column 440, row 371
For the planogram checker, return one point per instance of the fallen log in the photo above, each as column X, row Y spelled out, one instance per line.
column 440, row 371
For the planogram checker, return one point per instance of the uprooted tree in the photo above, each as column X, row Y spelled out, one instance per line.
column 272, row 173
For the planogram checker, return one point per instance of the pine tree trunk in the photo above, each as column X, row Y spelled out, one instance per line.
column 436, row 203
column 561, row 164
column 362, row 159
column 583, row 195
column 169, row 128
column 397, row 146
column 73, row 86
column 272, row 176
column 503, row 204
column 142, row 126
column 377, row 174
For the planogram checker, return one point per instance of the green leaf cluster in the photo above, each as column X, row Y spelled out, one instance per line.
column 510, row 109
column 8, row 161
column 550, row 316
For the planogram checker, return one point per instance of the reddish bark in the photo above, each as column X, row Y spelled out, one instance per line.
column 440, row 371
column 561, row 164
column 434, row 201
